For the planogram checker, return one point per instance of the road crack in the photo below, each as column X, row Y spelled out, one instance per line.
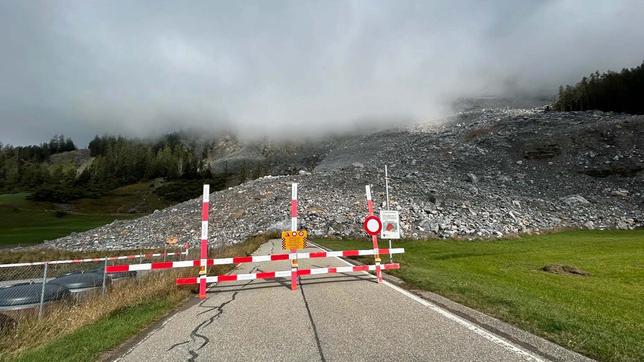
column 196, row 334
column 315, row 329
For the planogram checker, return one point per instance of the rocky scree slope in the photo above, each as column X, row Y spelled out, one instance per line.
column 480, row 174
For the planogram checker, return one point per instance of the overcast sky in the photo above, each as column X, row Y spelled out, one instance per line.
column 281, row 68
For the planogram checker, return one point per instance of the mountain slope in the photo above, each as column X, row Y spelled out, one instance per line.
column 479, row 174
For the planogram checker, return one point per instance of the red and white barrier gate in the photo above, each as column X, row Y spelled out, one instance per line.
column 285, row 273
column 94, row 260
column 248, row 259
column 203, row 263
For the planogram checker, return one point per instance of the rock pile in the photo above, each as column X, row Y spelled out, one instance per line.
column 480, row 174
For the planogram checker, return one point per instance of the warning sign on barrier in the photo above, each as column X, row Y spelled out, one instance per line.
column 294, row 240
column 390, row 224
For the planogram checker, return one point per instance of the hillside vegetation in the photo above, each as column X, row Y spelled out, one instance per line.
column 24, row 221
column 610, row 91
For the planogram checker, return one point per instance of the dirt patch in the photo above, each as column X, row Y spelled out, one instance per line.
column 564, row 269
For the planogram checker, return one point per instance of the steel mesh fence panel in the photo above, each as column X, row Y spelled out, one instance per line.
column 27, row 289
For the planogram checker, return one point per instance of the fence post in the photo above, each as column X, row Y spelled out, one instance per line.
column 104, row 274
column 42, row 292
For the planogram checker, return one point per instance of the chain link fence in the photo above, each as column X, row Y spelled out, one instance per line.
column 27, row 289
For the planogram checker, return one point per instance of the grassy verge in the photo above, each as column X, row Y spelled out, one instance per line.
column 87, row 343
column 20, row 228
column 599, row 315
column 82, row 331
column 26, row 222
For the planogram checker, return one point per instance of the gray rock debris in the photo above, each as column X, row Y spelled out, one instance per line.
column 480, row 174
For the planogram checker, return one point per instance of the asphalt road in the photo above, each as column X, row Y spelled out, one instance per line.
column 331, row 317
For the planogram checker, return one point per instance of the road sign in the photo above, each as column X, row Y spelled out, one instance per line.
column 390, row 224
column 372, row 225
column 294, row 240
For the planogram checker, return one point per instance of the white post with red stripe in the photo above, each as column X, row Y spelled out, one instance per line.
column 204, row 241
column 293, row 255
column 374, row 238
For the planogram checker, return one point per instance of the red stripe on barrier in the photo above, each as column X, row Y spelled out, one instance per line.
column 242, row 259
column 226, row 278
column 293, row 208
column 332, row 270
column 321, row 254
column 184, row 281
column 161, row 265
column 117, row 268
column 350, row 253
column 198, row 262
column 266, row 275
column 304, row 272
column 204, row 211
column 361, row 268
column 279, row 257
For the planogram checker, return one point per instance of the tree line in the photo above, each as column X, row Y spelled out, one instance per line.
column 610, row 91
column 117, row 161
column 24, row 166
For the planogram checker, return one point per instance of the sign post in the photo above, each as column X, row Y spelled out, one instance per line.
column 369, row 222
column 204, row 242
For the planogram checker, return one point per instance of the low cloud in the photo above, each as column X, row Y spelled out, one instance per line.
column 279, row 69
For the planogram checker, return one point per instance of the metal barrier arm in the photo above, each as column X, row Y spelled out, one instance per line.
column 285, row 273
column 247, row 259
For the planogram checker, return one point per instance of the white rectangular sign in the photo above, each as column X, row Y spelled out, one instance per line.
column 390, row 224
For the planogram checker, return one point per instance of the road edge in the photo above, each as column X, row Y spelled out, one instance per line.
column 538, row 345
column 125, row 347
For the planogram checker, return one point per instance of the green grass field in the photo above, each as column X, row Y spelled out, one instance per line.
column 600, row 315
column 87, row 343
column 25, row 222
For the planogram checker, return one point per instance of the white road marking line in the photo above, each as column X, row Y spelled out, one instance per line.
column 447, row 314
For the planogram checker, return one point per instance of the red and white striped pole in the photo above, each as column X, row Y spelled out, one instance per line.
column 374, row 238
column 293, row 255
column 204, row 241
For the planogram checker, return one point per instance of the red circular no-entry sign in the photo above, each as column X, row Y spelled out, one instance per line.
column 372, row 225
